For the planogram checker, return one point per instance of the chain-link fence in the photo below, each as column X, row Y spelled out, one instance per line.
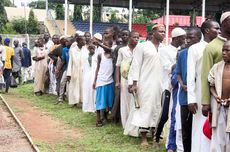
column 29, row 39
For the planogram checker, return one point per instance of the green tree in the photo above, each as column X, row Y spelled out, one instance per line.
column 59, row 9
column 41, row 4
column 3, row 16
column 77, row 12
column 20, row 25
column 32, row 24
column 9, row 29
column 97, row 13
column 146, row 15
column 113, row 17
column 7, row 3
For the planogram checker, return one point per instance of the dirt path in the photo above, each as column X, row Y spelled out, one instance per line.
column 12, row 138
column 41, row 126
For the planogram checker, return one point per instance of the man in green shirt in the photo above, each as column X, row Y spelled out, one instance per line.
column 213, row 54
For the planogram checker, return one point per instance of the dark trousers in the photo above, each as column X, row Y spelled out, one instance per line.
column 6, row 75
column 17, row 75
column 186, row 125
column 116, row 115
column 165, row 100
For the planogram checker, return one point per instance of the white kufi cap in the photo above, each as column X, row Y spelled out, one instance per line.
column 178, row 32
column 80, row 33
column 224, row 16
column 98, row 36
column 62, row 37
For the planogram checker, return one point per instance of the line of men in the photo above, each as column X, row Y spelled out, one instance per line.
column 188, row 79
column 152, row 82
column 15, row 63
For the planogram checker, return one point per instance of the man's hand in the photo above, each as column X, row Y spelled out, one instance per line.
column 118, row 85
column 68, row 78
column 130, row 88
column 94, row 85
column 206, row 109
column 134, row 89
column 218, row 99
column 184, row 87
column 193, row 107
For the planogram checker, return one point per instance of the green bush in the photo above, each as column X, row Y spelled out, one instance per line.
column 20, row 25
column 8, row 29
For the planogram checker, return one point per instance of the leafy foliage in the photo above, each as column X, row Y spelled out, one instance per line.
column 59, row 9
column 96, row 13
column 33, row 25
column 22, row 26
column 19, row 25
column 7, row 3
column 3, row 16
column 8, row 29
column 41, row 4
column 113, row 17
column 145, row 15
column 77, row 12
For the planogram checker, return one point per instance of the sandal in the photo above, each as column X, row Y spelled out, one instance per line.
column 99, row 123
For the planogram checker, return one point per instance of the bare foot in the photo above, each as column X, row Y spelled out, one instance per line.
column 144, row 143
column 156, row 145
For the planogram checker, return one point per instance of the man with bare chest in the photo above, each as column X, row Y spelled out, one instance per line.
column 219, row 80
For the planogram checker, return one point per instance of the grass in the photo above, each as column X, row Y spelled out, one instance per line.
column 108, row 138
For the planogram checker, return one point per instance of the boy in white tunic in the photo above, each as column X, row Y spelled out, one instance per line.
column 88, row 78
column 125, row 53
column 219, row 80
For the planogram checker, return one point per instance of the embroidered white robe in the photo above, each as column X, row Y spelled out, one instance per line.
column 147, row 72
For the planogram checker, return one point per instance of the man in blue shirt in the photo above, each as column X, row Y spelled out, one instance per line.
column 63, row 66
column 26, row 63
column 193, row 36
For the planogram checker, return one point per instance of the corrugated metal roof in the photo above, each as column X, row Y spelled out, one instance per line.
column 211, row 5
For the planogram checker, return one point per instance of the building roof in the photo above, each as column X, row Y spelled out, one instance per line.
column 211, row 5
column 180, row 20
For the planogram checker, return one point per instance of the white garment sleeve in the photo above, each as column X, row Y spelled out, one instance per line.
column 3, row 54
column 119, row 58
column 165, row 61
column 69, row 67
column 211, row 76
column 191, row 76
column 137, row 61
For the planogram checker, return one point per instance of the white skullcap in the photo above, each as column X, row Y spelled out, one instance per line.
column 224, row 16
column 63, row 37
column 98, row 36
column 80, row 33
column 178, row 32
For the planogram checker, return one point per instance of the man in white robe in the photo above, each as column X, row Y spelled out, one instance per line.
column 200, row 142
column 89, row 68
column 75, row 70
column 168, row 61
column 147, row 83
